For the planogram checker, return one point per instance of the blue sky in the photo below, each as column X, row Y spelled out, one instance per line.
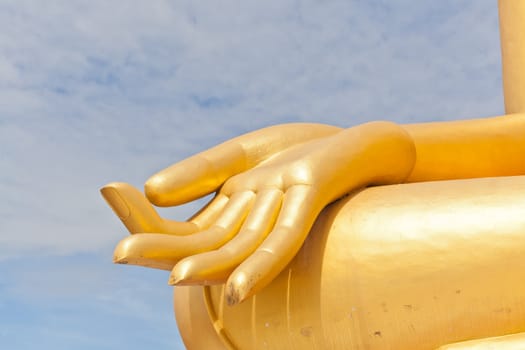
column 98, row 91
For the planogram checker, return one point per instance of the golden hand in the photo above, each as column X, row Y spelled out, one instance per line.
column 200, row 175
column 264, row 210
column 190, row 179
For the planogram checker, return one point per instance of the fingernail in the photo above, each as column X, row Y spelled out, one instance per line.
column 119, row 260
column 180, row 272
column 237, row 289
column 115, row 201
column 174, row 281
column 121, row 252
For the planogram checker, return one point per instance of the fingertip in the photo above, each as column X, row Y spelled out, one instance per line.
column 148, row 250
column 110, row 193
column 120, row 260
column 112, row 184
column 182, row 182
column 132, row 208
column 237, row 288
column 153, row 189
column 121, row 251
column 252, row 275
column 180, row 272
column 173, row 281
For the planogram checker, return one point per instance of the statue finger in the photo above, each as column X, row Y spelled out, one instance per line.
column 215, row 266
column 298, row 213
column 137, row 213
column 164, row 251
column 205, row 217
column 196, row 176
column 205, row 172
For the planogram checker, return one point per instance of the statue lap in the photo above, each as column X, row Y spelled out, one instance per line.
column 412, row 266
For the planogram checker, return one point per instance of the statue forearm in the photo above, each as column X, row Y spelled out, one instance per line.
column 468, row 149
column 511, row 14
column 483, row 147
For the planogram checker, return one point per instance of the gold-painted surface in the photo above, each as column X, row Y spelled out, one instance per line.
column 506, row 342
column 469, row 148
column 193, row 319
column 205, row 172
column 259, row 218
column 391, row 267
column 512, row 38
column 395, row 267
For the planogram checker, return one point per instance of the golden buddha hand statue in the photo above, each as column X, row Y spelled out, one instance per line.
column 264, row 209
column 265, row 204
column 272, row 184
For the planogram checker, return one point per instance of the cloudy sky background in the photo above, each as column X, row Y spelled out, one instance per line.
column 98, row 91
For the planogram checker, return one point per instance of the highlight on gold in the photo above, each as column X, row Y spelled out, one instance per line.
column 379, row 236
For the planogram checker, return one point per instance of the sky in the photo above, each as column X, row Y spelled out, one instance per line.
column 99, row 91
